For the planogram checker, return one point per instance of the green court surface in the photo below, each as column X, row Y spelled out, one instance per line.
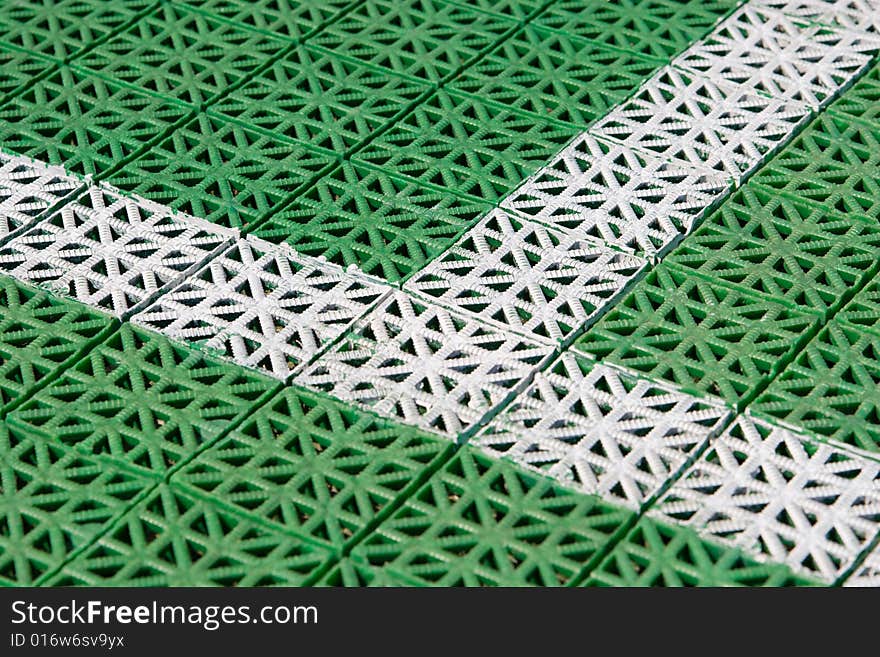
column 439, row 293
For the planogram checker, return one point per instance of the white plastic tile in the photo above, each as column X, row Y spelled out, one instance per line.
column 109, row 251
column 688, row 118
column 857, row 15
column 263, row 305
column 603, row 430
column 776, row 55
column 527, row 277
column 781, row 497
column 425, row 366
column 630, row 199
column 29, row 188
column 866, row 574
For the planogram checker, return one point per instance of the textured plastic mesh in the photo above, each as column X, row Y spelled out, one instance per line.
column 834, row 163
column 63, row 28
column 867, row 574
column 350, row 574
column 855, row 15
column 783, row 249
column 293, row 20
column 39, row 336
column 780, row 56
column 28, row 189
column 553, row 75
column 656, row 554
column 385, row 226
column 173, row 539
column 602, row 431
column 482, row 521
column 426, row 366
column 702, row 336
column 832, row 388
column 82, row 122
column 109, row 251
column 863, row 311
column 144, row 402
column 470, row 147
column 172, row 459
column 314, row 467
column 263, row 306
column 221, row 171
column 18, row 68
column 703, row 122
column 526, row 277
column 656, row 28
column 320, row 99
column 862, row 101
column 423, row 39
column 627, row 198
column 55, row 501
column 519, row 9
column 182, row 54
column 780, row 497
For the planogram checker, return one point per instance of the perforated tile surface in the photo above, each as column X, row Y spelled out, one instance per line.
column 440, row 292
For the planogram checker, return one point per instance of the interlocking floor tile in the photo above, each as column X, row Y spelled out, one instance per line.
column 53, row 502
column 703, row 123
column 780, row 497
column 425, row 366
column 314, row 467
column 701, row 336
column 320, row 99
column 481, row 521
column 142, row 401
column 110, row 251
column 173, row 539
column 630, row 199
column 832, row 389
column 601, row 430
column 263, row 306
column 28, row 189
column 776, row 55
column 526, row 277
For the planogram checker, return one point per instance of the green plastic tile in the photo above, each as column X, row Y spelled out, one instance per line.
column 423, row 39
column 863, row 311
column 320, row 99
column 19, row 68
column 704, row 337
column 293, row 20
column 832, row 389
column 53, row 502
column 172, row 539
column 654, row 554
column 221, row 171
column 39, row 336
column 861, row 101
column 834, row 163
column 143, row 401
column 182, row 54
column 555, row 76
column 514, row 9
column 313, row 467
column 482, row 521
column 350, row 574
column 781, row 249
column 467, row 146
column 659, row 28
column 82, row 122
column 63, row 28
column 385, row 226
